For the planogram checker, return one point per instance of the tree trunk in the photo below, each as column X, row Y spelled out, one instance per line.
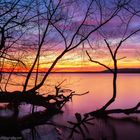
column 115, row 74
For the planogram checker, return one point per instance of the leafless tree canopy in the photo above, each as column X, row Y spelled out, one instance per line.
column 34, row 25
column 32, row 29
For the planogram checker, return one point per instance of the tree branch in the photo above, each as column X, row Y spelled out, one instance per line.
column 94, row 61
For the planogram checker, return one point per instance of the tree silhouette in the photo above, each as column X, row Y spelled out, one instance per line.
column 126, row 34
column 51, row 18
column 30, row 26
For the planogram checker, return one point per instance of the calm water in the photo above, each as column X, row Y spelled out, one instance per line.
column 100, row 91
column 98, row 85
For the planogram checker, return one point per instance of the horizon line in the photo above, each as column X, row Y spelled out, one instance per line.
column 121, row 70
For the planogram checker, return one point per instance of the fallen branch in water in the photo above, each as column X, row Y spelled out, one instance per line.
column 82, row 120
column 52, row 103
column 128, row 111
column 49, row 102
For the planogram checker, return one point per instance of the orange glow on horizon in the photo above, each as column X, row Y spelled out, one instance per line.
column 77, row 61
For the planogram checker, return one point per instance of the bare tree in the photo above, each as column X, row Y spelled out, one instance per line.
column 113, row 39
column 42, row 21
column 56, row 17
column 125, row 34
column 30, row 25
column 14, row 20
column 75, row 38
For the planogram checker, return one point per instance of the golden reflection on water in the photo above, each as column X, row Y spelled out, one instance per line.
column 98, row 85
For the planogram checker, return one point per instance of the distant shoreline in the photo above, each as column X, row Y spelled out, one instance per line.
column 123, row 70
column 78, row 72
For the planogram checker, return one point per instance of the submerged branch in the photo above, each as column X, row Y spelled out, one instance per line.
column 128, row 111
column 50, row 102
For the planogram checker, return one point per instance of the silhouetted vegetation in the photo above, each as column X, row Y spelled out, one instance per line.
column 31, row 27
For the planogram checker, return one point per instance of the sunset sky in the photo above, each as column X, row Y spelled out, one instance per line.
column 77, row 60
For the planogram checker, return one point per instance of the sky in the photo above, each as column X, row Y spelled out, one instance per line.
column 77, row 60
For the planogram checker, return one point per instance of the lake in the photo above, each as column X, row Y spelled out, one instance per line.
column 100, row 91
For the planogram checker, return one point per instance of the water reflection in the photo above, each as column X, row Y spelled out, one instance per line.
column 100, row 88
